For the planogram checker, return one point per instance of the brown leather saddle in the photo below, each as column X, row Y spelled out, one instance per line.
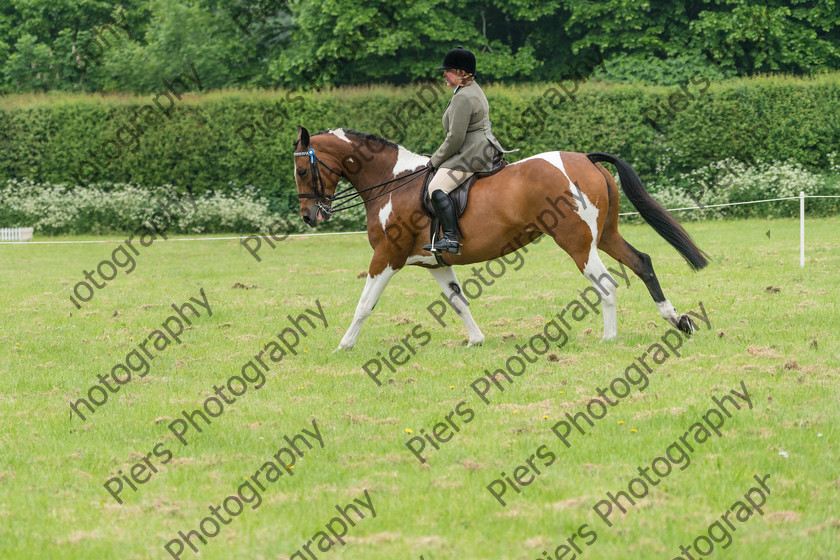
column 459, row 196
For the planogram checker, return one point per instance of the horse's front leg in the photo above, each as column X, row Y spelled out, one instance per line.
column 445, row 277
column 377, row 279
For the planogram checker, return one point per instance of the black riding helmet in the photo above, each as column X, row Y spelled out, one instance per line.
column 459, row 58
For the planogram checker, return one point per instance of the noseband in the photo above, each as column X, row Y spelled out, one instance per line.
column 322, row 199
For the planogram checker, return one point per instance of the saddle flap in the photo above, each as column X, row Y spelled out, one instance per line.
column 460, row 195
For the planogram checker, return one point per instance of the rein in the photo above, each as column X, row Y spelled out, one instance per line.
column 345, row 195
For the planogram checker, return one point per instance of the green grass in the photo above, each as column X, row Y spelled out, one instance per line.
column 782, row 344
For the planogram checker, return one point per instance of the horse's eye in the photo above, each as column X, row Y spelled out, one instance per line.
column 301, row 172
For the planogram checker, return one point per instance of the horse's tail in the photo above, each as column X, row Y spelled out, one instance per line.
column 654, row 214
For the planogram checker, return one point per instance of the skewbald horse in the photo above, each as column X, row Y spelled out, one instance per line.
column 568, row 196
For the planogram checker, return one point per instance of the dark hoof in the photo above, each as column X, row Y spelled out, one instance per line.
column 685, row 324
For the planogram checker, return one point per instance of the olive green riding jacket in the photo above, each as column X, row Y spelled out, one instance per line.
column 470, row 144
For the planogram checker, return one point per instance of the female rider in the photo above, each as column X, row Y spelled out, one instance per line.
column 469, row 146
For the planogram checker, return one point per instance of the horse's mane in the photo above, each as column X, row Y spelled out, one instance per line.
column 365, row 135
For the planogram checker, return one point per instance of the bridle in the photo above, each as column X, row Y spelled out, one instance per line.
column 349, row 193
column 322, row 199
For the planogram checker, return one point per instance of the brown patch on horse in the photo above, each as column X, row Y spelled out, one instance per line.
column 567, row 196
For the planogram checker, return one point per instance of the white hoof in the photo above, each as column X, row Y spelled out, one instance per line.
column 477, row 342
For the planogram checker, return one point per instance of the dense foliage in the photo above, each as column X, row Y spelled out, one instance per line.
column 107, row 208
column 204, row 95
column 708, row 143
column 95, row 45
column 199, row 141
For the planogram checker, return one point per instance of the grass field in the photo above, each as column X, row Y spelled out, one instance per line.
column 773, row 327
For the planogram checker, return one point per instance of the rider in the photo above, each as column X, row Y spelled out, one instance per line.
column 469, row 146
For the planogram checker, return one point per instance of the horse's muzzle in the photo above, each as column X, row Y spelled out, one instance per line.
column 311, row 216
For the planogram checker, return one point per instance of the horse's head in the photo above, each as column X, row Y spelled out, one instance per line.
column 317, row 172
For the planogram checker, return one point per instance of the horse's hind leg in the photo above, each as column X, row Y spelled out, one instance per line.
column 605, row 287
column 579, row 240
column 578, row 243
column 614, row 245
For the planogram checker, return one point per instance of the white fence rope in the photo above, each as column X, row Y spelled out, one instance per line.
column 801, row 199
column 719, row 205
column 243, row 236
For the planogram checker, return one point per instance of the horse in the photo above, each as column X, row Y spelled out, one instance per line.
column 567, row 196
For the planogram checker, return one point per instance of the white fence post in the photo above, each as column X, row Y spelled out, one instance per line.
column 802, row 228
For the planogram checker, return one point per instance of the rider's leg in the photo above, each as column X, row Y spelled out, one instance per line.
column 447, row 179
column 444, row 182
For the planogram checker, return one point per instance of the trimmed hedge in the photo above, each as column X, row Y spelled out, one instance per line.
column 46, row 138
column 108, row 208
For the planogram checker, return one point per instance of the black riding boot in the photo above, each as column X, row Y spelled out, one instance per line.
column 445, row 211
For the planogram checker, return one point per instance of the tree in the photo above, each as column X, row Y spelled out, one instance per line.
column 303, row 44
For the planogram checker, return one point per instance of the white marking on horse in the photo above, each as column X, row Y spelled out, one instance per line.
column 551, row 157
column 374, row 286
column 587, row 211
column 445, row 277
column 339, row 133
column 385, row 213
column 589, row 214
column 594, row 269
column 667, row 311
column 408, row 161
column 554, row 159
column 422, row 259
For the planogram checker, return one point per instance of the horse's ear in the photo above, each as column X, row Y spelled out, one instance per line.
column 303, row 137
